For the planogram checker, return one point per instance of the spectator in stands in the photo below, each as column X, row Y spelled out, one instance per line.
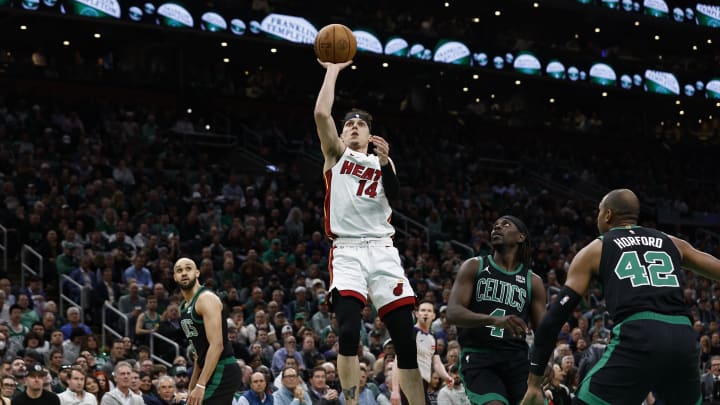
column 28, row 316
column 453, row 395
column 148, row 321
column 92, row 387
column 66, row 261
column 132, row 304
column 289, row 349
column 7, row 388
column 117, row 355
column 121, row 394
column 73, row 317
column 300, row 304
column 87, row 278
column 75, row 393
column 261, row 322
column 290, row 389
column 311, row 356
column 319, row 391
column 4, row 308
column 17, row 330
column 34, row 392
column 139, row 273
column 165, row 393
column 106, row 289
column 72, row 346
column 257, row 394
column 322, row 318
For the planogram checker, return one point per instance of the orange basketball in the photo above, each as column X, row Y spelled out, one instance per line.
column 335, row 43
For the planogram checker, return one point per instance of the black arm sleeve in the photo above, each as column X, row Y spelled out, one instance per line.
column 547, row 332
column 391, row 184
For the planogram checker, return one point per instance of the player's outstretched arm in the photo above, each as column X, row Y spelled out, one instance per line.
column 332, row 146
column 697, row 261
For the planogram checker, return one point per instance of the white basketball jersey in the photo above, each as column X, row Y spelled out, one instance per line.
column 355, row 201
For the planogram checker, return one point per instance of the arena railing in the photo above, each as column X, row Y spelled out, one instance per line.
column 26, row 253
column 468, row 249
column 4, row 247
column 167, row 341
column 64, row 298
column 107, row 328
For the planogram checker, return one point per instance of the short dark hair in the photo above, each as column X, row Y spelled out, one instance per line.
column 358, row 113
column 317, row 369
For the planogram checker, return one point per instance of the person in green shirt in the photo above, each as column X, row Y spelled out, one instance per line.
column 273, row 254
column 66, row 261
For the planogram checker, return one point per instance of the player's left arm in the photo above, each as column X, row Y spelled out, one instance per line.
column 582, row 268
column 539, row 301
column 210, row 308
column 391, row 184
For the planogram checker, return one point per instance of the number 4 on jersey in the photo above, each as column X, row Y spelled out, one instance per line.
column 494, row 330
column 657, row 273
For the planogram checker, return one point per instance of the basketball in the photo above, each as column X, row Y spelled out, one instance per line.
column 335, row 43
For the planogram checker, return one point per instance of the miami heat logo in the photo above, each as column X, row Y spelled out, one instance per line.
column 398, row 289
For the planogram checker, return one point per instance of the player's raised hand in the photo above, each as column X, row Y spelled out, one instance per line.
column 340, row 66
column 382, row 149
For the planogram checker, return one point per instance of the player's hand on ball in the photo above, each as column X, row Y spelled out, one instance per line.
column 382, row 149
column 340, row 66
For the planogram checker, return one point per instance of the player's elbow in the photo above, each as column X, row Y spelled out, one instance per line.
column 321, row 113
column 452, row 314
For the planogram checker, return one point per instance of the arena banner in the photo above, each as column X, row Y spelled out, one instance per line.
column 237, row 26
column 626, row 82
column 602, row 74
column 613, row 4
column 367, row 41
column 661, row 82
column 527, row 63
column 31, row 5
column 96, row 8
column 452, row 52
column 418, row 51
column 480, row 59
column 555, row 69
column 288, row 28
column 213, row 22
column 175, row 16
column 707, row 15
column 396, row 46
column 656, row 8
column 712, row 89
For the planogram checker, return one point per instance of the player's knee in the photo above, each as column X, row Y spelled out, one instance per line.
column 400, row 325
column 347, row 313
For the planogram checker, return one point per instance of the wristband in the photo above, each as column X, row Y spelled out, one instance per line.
column 200, row 385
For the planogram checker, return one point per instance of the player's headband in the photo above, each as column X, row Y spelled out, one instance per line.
column 519, row 224
column 355, row 114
